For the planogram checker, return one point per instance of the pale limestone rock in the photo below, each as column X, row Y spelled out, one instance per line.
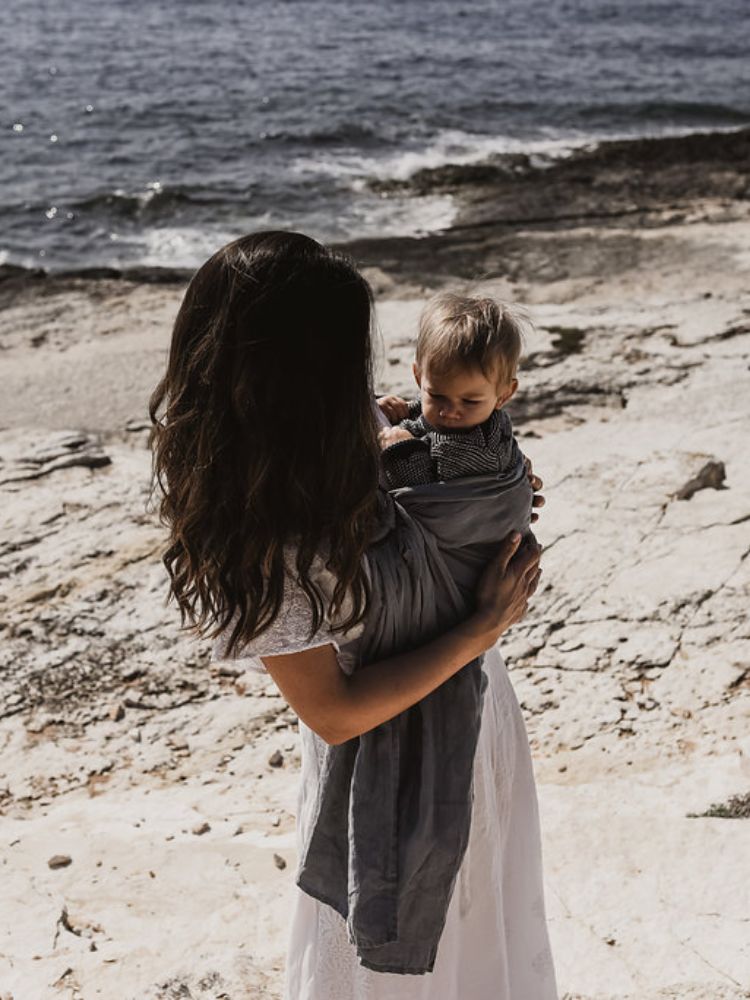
column 632, row 668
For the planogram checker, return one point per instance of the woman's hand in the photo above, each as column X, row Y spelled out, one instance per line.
column 394, row 407
column 536, row 485
column 508, row 582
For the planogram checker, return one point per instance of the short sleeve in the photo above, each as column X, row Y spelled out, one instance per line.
column 380, row 417
column 290, row 632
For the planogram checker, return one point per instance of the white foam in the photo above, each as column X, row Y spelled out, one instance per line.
column 367, row 215
column 190, row 246
column 460, row 148
column 402, row 216
column 181, row 247
column 452, row 146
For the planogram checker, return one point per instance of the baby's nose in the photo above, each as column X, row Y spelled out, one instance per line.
column 451, row 410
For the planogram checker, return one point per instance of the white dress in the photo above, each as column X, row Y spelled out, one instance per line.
column 495, row 944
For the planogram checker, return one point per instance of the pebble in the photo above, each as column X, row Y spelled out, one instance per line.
column 276, row 759
column 279, row 862
column 59, row 861
column 711, row 476
column 201, row 828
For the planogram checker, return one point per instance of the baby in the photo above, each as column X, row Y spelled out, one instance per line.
column 466, row 360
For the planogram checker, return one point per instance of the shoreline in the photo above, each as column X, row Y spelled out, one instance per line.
column 633, row 181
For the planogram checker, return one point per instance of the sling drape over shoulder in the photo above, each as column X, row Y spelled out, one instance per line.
column 394, row 805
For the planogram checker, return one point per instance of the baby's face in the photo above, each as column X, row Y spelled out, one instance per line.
column 461, row 399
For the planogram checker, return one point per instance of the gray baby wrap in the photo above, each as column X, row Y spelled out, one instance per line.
column 394, row 805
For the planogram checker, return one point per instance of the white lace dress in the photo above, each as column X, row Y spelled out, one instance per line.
column 495, row 944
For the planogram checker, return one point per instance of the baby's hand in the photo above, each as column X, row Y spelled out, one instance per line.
column 390, row 435
column 394, row 407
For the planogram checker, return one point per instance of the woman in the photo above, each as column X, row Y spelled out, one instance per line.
column 267, row 457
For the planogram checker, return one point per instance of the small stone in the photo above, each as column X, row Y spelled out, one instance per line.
column 38, row 726
column 201, row 828
column 59, row 861
column 276, row 759
column 711, row 476
column 117, row 712
column 279, row 862
column 227, row 670
column 562, row 768
column 135, row 424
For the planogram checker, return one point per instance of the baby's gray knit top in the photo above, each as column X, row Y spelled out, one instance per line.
column 435, row 456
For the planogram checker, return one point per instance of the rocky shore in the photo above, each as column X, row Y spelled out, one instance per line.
column 147, row 796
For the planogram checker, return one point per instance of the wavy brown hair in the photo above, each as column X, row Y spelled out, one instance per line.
column 263, row 435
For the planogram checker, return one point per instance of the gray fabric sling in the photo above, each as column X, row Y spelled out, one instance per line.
column 394, row 805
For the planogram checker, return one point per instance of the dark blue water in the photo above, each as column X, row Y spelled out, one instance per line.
column 152, row 130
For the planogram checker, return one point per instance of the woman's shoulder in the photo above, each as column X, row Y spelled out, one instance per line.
column 292, row 629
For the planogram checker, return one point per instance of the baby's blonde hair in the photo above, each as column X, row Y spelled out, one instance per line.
column 457, row 331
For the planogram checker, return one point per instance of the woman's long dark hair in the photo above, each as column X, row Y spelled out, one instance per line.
column 263, row 434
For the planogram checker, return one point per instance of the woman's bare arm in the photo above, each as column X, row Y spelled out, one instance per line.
column 339, row 707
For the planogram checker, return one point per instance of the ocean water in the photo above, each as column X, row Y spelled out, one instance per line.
column 151, row 131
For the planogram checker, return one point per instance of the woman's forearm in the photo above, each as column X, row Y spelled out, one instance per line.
column 379, row 691
column 339, row 707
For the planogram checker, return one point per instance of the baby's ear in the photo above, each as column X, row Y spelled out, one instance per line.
column 507, row 394
column 417, row 374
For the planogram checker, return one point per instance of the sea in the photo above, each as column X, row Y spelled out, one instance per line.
column 149, row 132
